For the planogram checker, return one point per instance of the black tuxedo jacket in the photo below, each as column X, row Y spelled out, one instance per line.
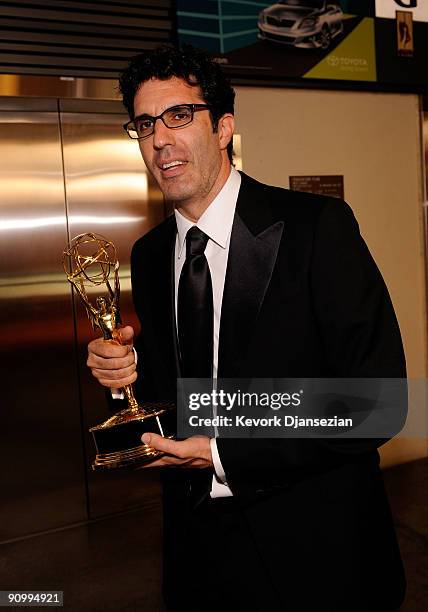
column 302, row 298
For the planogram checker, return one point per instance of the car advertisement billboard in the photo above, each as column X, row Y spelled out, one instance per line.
column 319, row 39
column 382, row 41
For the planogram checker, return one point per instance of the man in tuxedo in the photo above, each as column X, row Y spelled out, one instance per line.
column 246, row 280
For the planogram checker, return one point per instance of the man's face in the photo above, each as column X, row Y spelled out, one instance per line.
column 200, row 151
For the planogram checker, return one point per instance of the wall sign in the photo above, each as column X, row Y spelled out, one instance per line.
column 405, row 40
column 328, row 185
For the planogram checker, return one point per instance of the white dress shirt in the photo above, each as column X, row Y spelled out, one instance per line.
column 216, row 222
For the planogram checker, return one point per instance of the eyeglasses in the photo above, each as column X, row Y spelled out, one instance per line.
column 174, row 117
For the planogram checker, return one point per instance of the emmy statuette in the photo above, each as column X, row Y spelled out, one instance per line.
column 90, row 261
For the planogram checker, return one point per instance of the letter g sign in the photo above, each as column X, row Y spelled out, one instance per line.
column 408, row 4
column 387, row 9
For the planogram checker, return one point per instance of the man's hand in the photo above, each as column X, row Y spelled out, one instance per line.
column 111, row 363
column 195, row 452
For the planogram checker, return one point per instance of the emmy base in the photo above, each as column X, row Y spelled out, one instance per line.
column 118, row 440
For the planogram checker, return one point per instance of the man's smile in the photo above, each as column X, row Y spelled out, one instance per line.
column 171, row 168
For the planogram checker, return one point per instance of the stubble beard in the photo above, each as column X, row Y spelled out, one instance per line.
column 185, row 196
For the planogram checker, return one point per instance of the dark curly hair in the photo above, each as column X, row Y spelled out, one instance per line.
column 190, row 64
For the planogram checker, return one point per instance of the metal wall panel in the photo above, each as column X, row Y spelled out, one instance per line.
column 41, row 456
column 109, row 192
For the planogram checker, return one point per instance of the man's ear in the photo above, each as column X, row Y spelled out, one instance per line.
column 226, row 126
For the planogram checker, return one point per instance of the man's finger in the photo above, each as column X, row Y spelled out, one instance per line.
column 172, row 447
column 164, row 461
column 114, row 374
column 112, row 363
column 108, row 349
column 115, row 384
column 126, row 334
column 170, row 461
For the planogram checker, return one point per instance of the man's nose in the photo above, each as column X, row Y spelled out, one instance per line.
column 162, row 136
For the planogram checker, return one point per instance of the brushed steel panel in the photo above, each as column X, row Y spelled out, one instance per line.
column 32, row 222
column 86, row 105
column 108, row 192
column 41, row 455
column 16, row 103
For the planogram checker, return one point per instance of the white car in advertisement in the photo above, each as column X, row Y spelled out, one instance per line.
column 301, row 23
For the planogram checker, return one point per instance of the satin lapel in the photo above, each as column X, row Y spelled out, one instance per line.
column 249, row 270
column 163, row 299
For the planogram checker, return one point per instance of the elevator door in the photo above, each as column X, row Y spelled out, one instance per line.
column 41, row 458
column 67, row 168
